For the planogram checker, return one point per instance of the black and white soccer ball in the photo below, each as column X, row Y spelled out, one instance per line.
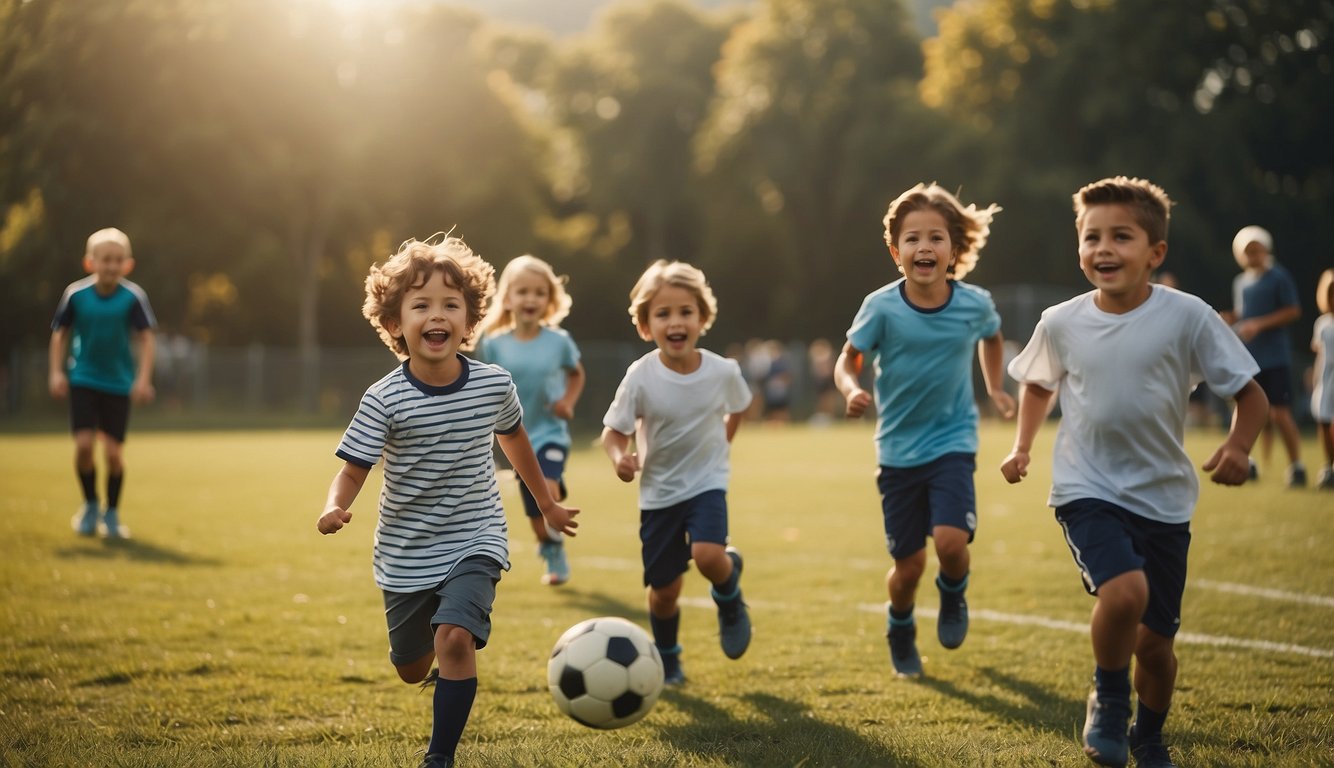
column 605, row 672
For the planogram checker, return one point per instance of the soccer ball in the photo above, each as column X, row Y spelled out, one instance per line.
column 605, row 672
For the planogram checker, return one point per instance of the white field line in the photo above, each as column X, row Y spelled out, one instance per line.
column 1272, row 594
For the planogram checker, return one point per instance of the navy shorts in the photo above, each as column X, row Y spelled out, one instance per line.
column 1107, row 541
column 551, row 458
column 666, row 534
column 1277, row 385
column 463, row 599
column 94, row 409
column 914, row 500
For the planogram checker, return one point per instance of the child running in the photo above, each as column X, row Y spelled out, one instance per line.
column 921, row 331
column 681, row 406
column 1322, row 389
column 521, row 333
column 441, row 541
column 93, row 361
column 1124, row 358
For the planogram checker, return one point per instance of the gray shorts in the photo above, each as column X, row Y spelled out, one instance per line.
column 463, row 599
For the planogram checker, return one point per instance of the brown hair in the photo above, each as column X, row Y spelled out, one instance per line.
column 413, row 265
column 968, row 226
column 1148, row 203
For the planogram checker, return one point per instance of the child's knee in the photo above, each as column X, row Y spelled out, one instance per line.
column 1127, row 593
column 416, row 671
column 453, row 643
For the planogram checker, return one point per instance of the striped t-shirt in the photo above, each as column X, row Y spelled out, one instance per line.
column 440, row 502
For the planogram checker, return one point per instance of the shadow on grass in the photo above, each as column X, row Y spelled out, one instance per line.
column 1042, row 710
column 596, row 604
column 130, row 549
column 789, row 736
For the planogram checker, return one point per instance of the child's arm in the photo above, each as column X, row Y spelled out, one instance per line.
column 1252, row 327
column 847, row 377
column 732, row 422
column 623, row 460
column 574, row 386
column 342, row 492
column 991, row 354
column 519, row 450
column 142, row 391
column 1230, row 464
column 1033, row 405
column 57, row 380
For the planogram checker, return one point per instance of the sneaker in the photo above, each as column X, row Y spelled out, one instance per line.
column 1325, row 481
column 733, row 618
column 558, row 568
column 903, row 649
column 111, row 527
column 437, row 760
column 1254, row 472
column 1105, row 739
column 952, row 622
column 1296, row 476
column 85, row 520
column 672, row 671
column 1150, row 754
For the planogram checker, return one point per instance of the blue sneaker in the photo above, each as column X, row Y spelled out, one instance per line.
column 1105, row 725
column 558, row 568
column 672, row 671
column 1149, row 754
column 733, row 618
column 952, row 622
column 85, row 521
column 111, row 527
column 903, row 649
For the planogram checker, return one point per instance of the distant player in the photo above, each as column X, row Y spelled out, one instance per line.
column 921, row 330
column 1264, row 303
column 441, row 539
column 521, row 333
column 98, row 325
column 1322, row 391
column 681, row 406
column 1124, row 358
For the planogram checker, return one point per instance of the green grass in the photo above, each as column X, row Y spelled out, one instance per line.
column 227, row 632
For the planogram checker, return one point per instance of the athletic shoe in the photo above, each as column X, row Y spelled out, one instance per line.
column 1325, row 481
column 111, row 527
column 1105, row 739
column 437, row 760
column 903, row 649
column 952, row 622
column 733, row 618
column 1296, row 476
column 558, row 568
column 1254, row 472
column 1150, row 754
column 85, row 520
column 672, row 671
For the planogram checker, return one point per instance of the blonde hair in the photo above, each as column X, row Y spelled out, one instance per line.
column 500, row 318
column 413, row 265
column 108, row 235
column 1148, row 203
column 675, row 273
column 1324, row 291
column 968, row 226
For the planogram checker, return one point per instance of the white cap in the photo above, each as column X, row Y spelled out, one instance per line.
column 1252, row 234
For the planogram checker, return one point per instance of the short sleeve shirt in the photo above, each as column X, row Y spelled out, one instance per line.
column 101, row 329
column 539, row 367
column 1272, row 290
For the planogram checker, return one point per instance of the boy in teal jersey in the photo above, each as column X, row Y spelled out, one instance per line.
column 921, row 331
column 99, row 321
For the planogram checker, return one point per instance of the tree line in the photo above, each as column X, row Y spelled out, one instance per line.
column 261, row 155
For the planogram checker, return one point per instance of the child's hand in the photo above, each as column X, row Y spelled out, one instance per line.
column 562, row 410
column 628, row 467
column 58, row 385
column 561, row 518
column 1015, row 466
column 1228, row 465
column 858, row 401
column 333, row 520
column 142, row 392
column 1004, row 403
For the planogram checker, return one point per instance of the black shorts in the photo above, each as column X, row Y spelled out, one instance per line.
column 1277, row 385
column 665, row 535
column 914, row 500
column 94, row 409
column 1107, row 541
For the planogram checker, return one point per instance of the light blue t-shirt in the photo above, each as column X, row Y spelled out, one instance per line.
column 923, row 370
column 538, row 367
column 101, row 328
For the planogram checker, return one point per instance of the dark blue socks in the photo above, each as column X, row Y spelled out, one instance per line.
column 452, row 704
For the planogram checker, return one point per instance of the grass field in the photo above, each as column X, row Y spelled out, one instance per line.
column 227, row 632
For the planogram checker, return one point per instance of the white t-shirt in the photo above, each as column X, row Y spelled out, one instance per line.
column 1322, row 393
column 678, row 422
column 1124, row 383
